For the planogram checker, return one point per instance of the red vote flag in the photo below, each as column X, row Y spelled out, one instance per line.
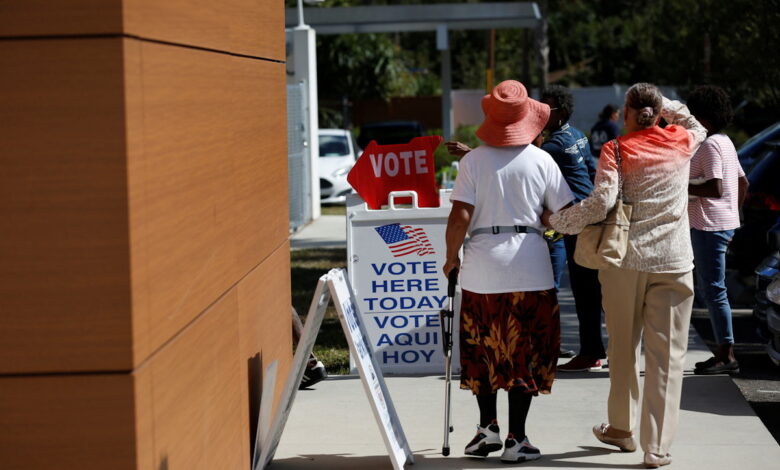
column 399, row 167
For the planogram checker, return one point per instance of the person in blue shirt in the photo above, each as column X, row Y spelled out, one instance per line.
column 571, row 151
column 605, row 129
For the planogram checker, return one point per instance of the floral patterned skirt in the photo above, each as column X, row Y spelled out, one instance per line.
column 509, row 340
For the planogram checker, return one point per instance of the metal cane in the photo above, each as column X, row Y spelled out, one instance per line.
column 446, row 317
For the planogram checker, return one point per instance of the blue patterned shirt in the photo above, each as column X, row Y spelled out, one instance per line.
column 570, row 149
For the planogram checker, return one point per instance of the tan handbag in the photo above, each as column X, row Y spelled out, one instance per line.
column 603, row 245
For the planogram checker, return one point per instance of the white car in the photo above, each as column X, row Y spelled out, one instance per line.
column 337, row 156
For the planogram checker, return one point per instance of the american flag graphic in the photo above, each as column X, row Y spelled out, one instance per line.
column 405, row 240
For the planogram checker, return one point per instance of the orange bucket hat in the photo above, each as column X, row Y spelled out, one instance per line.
column 511, row 116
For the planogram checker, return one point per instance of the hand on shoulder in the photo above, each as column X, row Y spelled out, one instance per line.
column 456, row 148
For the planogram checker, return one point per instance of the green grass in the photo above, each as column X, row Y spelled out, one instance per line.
column 331, row 347
column 306, row 268
column 334, row 209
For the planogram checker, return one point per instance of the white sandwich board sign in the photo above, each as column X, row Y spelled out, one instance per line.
column 268, row 440
column 370, row 373
column 394, row 257
column 335, row 285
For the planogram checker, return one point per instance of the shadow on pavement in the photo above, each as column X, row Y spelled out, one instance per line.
column 714, row 394
column 563, row 459
column 432, row 458
column 345, row 461
column 602, row 374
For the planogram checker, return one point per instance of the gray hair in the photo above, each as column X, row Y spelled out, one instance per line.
column 646, row 99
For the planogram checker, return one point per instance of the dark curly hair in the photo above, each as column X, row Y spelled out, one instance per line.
column 607, row 112
column 712, row 104
column 561, row 96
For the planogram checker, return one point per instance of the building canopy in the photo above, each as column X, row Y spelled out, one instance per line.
column 440, row 18
column 401, row 18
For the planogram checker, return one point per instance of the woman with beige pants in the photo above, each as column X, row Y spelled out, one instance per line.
column 650, row 296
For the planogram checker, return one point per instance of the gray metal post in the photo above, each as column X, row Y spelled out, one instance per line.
column 543, row 47
column 543, row 60
column 300, row 13
column 527, row 48
column 304, row 40
column 442, row 43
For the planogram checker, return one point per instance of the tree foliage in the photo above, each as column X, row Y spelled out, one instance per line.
column 358, row 66
column 680, row 43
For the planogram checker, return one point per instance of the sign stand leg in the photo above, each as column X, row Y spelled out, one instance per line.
column 264, row 454
column 335, row 285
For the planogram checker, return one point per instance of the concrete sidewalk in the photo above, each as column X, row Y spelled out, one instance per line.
column 328, row 231
column 332, row 426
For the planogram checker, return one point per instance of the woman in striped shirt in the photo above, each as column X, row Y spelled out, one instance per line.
column 713, row 213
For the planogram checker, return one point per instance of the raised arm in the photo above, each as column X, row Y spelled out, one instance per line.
column 677, row 113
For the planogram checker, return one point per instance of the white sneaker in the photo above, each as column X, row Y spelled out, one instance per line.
column 486, row 441
column 519, row 451
column 315, row 373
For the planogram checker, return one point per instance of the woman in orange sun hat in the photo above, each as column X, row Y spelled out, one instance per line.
column 510, row 324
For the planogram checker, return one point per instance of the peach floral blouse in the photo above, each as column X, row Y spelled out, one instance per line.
column 655, row 169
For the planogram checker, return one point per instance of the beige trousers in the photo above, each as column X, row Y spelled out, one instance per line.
column 657, row 308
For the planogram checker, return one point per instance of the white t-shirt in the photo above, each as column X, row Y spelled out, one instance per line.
column 508, row 186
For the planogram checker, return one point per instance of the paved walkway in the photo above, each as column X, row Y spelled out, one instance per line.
column 332, row 427
column 328, row 231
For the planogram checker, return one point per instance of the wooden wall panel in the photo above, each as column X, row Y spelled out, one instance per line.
column 76, row 422
column 251, row 27
column 139, row 230
column 265, row 330
column 194, row 22
column 259, row 152
column 187, row 406
column 257, row 28
column 198, row 152
column 182, row 203
column 207, row 179
column 143, row 408
column 64, row 263
column 143, row 210
column 60, row 17
column 195, row 385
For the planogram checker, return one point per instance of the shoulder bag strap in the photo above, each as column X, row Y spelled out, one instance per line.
column 619, row 161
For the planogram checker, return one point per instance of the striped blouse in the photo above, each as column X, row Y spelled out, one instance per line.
column 656, row 163
column 716, row 159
